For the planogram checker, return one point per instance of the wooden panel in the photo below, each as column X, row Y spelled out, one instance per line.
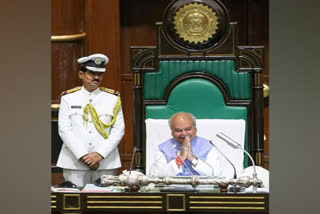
column 138, row 27
column 56, row 178
column 238, row 12
column 160, row 202
column 67, row 18
column 126, row 145
column 258, row 28
column 64, row 67
column 125, row 161
column 102, row 29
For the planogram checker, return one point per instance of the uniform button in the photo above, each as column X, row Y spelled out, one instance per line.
column 90, row 121
column 90, row 131
column 90, row 144
column 90, row 100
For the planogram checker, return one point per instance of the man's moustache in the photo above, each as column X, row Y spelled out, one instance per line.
column 95, row 80
column 184, row 136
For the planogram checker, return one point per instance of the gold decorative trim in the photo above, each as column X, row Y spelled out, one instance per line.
column 55, row 106
column 138, row 158
column 177, row 195
column 124, row 202
column 53, row 201
column 229, row 197
column 229, row 208
column 265, row 90
column 225, row 202
column 115, row 196
column 258, row 158
column 258, row 79
column 136, row 79
column 123, row 207
column 64, row 38
column 53, row 196
column 71, row 195
column 53, row 207
column 71, row 213
column 195, row 22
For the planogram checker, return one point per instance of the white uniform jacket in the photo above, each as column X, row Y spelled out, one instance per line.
column 80, row 137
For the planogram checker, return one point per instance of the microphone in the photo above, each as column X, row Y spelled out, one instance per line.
column 133, row 155
column 234, row 169
column 236, row 145
column 173, row 146
column 184, row 164
column 234, row 188
column 228, row 140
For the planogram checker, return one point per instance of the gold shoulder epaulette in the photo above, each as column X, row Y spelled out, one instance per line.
column 110, row 91
column 71, row 90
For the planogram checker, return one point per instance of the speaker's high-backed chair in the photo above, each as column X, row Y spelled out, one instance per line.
column 197, row 67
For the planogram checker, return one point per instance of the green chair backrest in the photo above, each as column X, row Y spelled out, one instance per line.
column 198, row 96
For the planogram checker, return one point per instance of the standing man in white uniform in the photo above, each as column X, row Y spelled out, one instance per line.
column 91, row 125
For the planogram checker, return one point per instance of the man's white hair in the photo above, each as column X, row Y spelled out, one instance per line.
column 193, row 118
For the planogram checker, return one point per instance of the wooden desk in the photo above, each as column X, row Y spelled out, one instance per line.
column 159, row 202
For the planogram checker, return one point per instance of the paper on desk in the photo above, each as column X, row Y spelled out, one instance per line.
column 94, row 188
column 62, row 189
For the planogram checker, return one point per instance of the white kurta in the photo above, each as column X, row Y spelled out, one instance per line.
column 80, row 137
column 161, row 167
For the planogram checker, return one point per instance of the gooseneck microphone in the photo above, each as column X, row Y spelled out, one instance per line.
column 236, row 145
column 228, row 140
column 162, row 156
column 234, row 168
column 132, row 159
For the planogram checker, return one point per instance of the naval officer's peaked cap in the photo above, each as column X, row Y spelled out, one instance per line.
column 94, row 62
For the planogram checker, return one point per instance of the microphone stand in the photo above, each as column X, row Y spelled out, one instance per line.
column 254, row 174
column 133, row 188
column 233, row 188
column 236, row 145
column 133, row 155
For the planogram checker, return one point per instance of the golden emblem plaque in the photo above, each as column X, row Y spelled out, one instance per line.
column 195, row 22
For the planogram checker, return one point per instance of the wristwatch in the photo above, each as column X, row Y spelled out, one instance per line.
column 194, row 162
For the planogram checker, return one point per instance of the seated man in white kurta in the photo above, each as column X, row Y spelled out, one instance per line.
column 91, row 126
column 186, row 154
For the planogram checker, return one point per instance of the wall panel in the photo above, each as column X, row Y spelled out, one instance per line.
column 67, row 21
column 102, row 27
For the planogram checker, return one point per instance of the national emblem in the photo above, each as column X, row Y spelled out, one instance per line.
column 195, row 23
